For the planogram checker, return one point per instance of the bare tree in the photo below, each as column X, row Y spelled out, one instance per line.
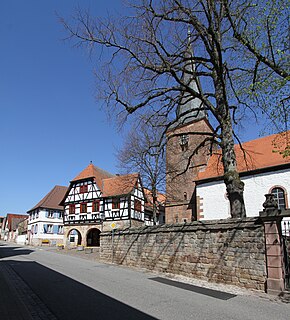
column 143, row 151
column 144, row 66
column 261, row 37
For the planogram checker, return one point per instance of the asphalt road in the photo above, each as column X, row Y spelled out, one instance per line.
column 50, row 285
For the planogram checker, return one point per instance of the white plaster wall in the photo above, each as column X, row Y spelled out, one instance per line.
column 216, row 205
column 40, row 231
column 21, row 239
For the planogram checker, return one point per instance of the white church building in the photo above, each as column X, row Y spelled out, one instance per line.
column 262, row 168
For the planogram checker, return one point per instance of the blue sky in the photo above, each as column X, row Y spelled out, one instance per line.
column 51, row 124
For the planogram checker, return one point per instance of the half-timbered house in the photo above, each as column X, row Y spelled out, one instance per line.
column 95, row 199
column 45, row 225
column 10, row 225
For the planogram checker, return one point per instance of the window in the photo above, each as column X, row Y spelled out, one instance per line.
column 115, row 203
column 48, row 228
column 72, row 209
column 183, row 141
column 60, row 230
column 137, row 205
column 84, row 188
column 60, row 215
column 279, row 196
column 83, row 208
column 96, row 206
column 50, row 214
column 96, row 216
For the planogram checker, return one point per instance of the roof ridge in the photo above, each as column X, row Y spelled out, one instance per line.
column 122, row 175
column 251, row 155
column 264, row 137
column 50, row 200
column 102, row 170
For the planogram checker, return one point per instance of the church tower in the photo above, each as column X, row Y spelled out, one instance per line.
column 187, row 152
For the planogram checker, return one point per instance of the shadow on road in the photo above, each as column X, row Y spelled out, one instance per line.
column 190, row 287
column 69, row 299
column 10, row 251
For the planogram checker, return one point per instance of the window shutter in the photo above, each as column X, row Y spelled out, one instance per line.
column 55, row 228
column 46, row 213
column 45, row 228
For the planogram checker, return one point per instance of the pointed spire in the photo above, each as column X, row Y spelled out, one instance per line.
column 189, row 108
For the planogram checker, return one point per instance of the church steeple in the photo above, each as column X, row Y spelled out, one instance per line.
column 189, row 108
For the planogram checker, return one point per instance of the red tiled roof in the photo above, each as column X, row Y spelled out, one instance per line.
column 149, row 199
column 52, row 199
column 92, row 171
column 256, row 154
column 14, row 219
column 119, row 185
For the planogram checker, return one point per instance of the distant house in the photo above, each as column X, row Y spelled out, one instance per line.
column 1, row 227
column 10, row 225
column 97, row 200
column 22, row 237
column 160, row 208
column 45, row 225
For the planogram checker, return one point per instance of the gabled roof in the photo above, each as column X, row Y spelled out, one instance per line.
column 120, row 185
column 109, row 184
column 161, row 198
column 12, row 220
column 263, row 153
column 92, row 171
column 52, row 199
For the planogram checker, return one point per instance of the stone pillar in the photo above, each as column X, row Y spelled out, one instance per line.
column 274, row 247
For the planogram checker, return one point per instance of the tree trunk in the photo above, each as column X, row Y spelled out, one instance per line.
column 234, row 185
column 154, row 198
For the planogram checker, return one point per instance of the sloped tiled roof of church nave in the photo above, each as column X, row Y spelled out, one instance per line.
column 256, row 154
column 92, row 171
column 52, row 199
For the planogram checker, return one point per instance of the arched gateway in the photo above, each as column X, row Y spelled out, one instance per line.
column 93, row 237
column 74, row 237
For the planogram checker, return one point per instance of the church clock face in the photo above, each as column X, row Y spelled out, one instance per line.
column 183, row 139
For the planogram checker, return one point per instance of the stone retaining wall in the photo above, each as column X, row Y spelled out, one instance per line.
column 226, row 251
